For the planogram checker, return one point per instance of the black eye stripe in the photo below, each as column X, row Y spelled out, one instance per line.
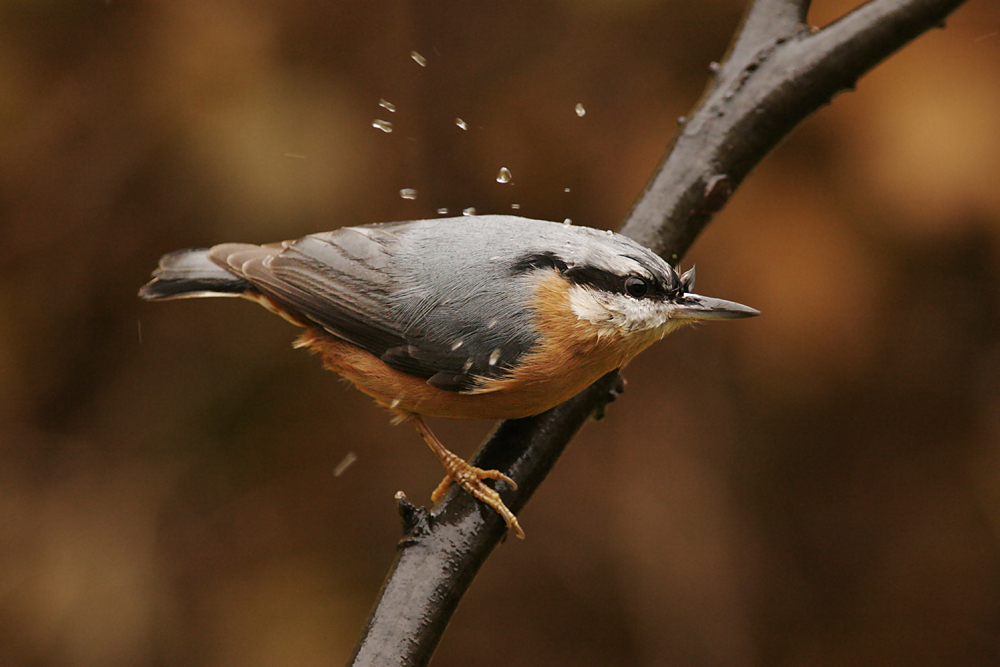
column 612, row 282
column 597, row 278
column 590, row 276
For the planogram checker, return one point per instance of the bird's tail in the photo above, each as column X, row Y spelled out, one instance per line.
column 190, row 273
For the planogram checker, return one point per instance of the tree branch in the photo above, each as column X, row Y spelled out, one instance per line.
column 777, row 72
column 441, row 553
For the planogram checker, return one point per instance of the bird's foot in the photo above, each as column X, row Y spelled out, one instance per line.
column 467, row 476
column 470, row 478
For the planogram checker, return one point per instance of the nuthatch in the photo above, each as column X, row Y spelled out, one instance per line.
column 488, row 317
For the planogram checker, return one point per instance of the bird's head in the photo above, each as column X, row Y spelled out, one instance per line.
column 617, row 286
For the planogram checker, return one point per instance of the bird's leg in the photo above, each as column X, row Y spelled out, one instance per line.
column 466, row 476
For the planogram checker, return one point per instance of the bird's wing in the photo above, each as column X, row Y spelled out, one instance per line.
column 338, row 280
column 345, row 281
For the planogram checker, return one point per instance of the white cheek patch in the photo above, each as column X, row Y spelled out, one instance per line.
column 622, row 313
column 587, row 307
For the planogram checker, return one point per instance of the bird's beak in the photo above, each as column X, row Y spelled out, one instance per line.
column 696, row 307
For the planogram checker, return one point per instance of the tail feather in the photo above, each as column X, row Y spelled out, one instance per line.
column 190, row 273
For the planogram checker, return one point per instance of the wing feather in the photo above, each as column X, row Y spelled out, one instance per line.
column 322, row 281
column 347, row 283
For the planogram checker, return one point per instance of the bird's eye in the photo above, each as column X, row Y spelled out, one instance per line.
column 636, row 287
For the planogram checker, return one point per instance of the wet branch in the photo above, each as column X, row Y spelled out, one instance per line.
column 777, row 72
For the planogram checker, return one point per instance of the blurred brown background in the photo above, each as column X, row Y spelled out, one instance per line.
column 818, row 486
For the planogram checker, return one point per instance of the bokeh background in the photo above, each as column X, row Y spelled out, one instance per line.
column 817, row 486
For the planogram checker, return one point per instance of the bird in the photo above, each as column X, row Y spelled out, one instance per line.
column 473, row 317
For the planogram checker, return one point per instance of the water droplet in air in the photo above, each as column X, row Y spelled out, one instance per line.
column 408, row 193
column 388, row 106
column 494, row 357
column 442, row 211
column 565, row 189
column 567, row 222
column 469, row 211
column 580, row 111
column 516, row 207
column 419, row 59
column 461, row 124
column 504, row 175
column 345, row 463
column 383, row 125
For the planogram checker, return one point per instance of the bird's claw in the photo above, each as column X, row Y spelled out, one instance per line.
column 470, row 478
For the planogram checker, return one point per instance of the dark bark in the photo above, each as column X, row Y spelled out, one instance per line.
column 776, row 73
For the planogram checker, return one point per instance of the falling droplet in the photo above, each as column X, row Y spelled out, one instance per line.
column 461, row 124
column 580, row 111
column 442, row 211
column 494, row 357
column 516, row 207
column 567, row 222
column 419, row 59
column 469, row 211
column 345, row 463
column 383, row 125
column 565, row 189
column 388, row 106
column 504, row 175
column 408, row 193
